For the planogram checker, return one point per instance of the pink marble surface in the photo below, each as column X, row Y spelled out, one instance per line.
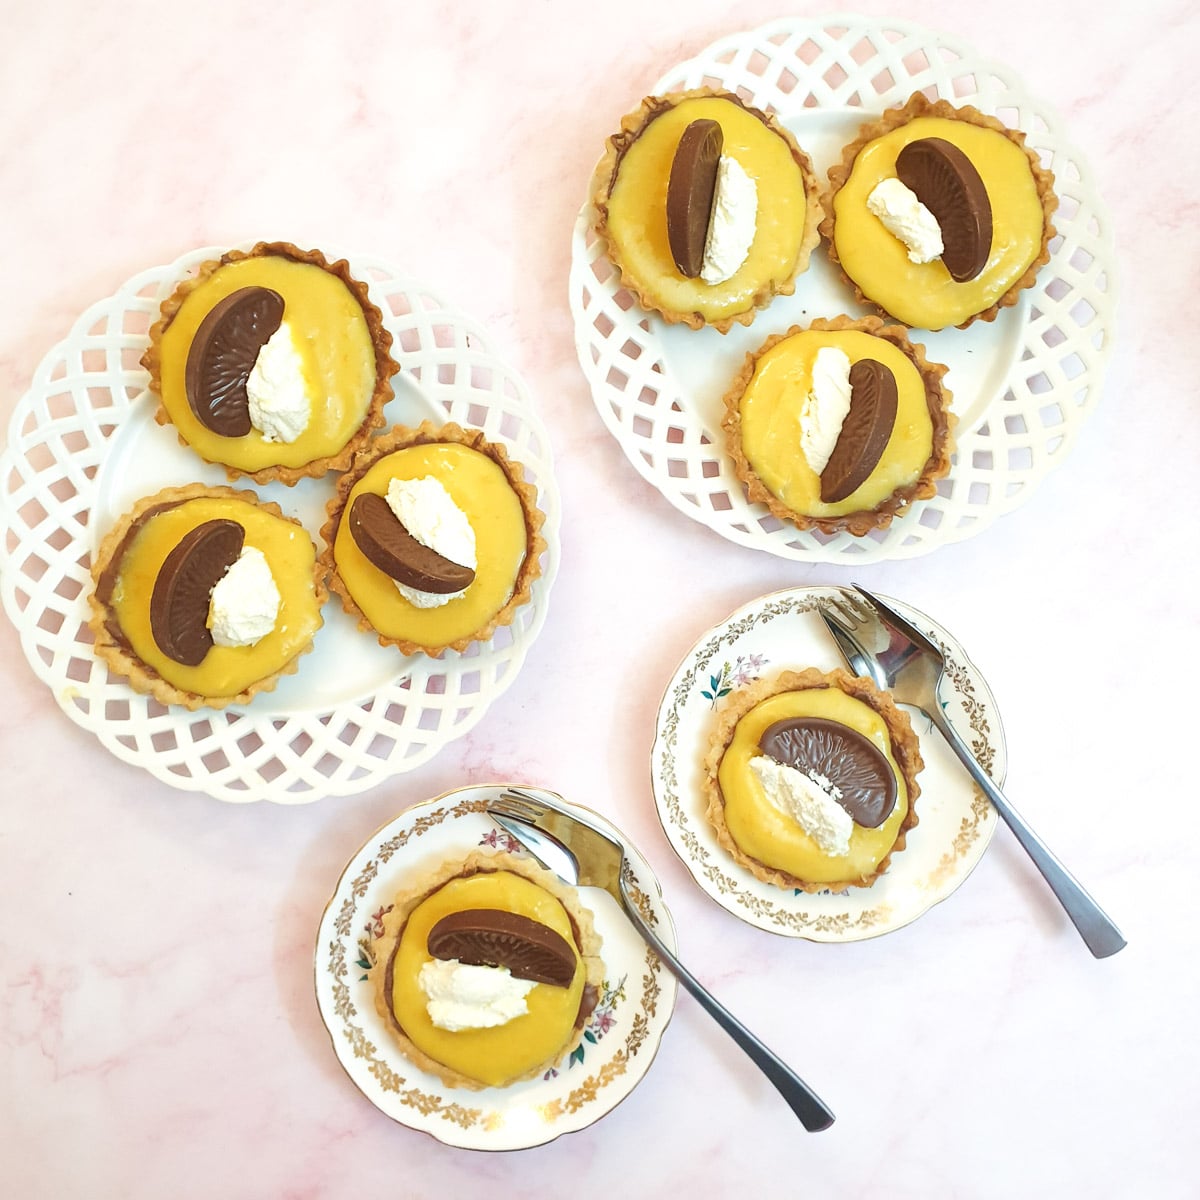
column 158, row 1031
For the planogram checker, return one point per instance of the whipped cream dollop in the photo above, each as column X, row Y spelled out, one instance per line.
column 427, row 511
column 906, row 218
column 825, row 407
column 810, row 801
column 732, row 224
column 462, row 996
column 280, row 406
column 244, row 605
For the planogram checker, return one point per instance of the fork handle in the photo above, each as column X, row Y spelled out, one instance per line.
column 1095, row 926
column 813, row 1112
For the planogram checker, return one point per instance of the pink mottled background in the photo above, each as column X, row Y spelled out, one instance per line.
column 158, row 1032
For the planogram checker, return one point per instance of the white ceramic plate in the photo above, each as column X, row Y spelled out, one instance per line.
column 83, row 446
column 784, row 631
column 1022, row 385
column 623, row 1033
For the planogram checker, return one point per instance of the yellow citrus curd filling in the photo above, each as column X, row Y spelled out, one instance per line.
column 503, row 1052
column 226, row 670
column 770, row 422
column 924, row 294
column 337, row 355
column 765, row 833
column 637, row 222
column 479, row 486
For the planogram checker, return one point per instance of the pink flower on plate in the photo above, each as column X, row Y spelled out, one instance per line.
column 499, row 840
column 747, row 668
column 375, row 925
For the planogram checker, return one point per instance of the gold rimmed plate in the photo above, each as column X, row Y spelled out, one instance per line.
column 622, row 1035
column 784, row 631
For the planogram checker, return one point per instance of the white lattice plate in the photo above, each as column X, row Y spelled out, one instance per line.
column 623, row 1033
column 783, row 631
column 83, row 445
column 1022, row 385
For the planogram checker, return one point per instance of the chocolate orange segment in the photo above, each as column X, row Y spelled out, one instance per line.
column 493, row 937
column 222, row 355
column 947, row 183
column 183, row 589
column 848, row 759
column 690, row 193
column 386, row 544
column 865, row 431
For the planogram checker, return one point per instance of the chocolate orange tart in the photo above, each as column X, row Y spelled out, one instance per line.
column 939, row 215
column 433, row 539
column 271, row 362
column 205, row 596
column 810, row 780
column 708, row 207
column 839, row 426
column 487, row 970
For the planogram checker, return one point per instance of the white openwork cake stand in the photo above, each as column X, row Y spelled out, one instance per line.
column 1022, row 385
column 83, row 446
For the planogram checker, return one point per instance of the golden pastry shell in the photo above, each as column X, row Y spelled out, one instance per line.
column 605, row 176
column 110, row 645
column 919, row 105
column 381, row 340
column 413, row 893
column 862, row 521
column 906, row 751
column 398, row 438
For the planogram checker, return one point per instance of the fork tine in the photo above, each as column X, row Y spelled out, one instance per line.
column 545, row 815
column 902, row 625
column 520, row 805
column 597, row 857
column 850, row 622
column 852, row 652
column 860, row 622
column 835, row 619
column 851, row 609
column 850, row 649
column 543, row 845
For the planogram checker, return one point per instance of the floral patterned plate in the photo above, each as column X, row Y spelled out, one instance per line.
column 622, row 1035
column 784, row 631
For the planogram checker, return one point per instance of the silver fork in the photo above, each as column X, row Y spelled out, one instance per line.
column 581, row 854
column 909, row 666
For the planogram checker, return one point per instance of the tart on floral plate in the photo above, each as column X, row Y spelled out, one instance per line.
column 783, row 631
column 634, row 1004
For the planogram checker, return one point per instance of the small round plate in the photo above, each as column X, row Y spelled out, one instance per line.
column 83, row 445
column 622, row 1035
column 784, row 631
column 1022, row 385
